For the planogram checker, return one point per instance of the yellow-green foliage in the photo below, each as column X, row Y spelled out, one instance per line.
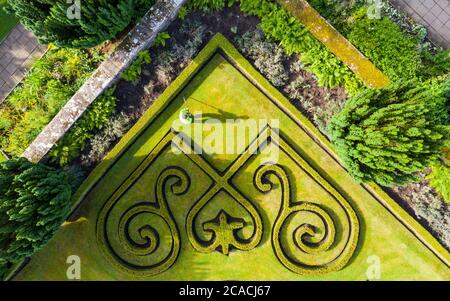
column 44, row 91
column 440, row 180
column 384, row 43
column 134, row 71
column 74, row 141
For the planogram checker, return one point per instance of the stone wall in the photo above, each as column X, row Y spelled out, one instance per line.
column 108, row 73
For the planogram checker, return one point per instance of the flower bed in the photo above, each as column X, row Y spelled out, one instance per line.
column 51, row 82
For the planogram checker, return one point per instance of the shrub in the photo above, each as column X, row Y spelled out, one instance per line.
column 435, row 64
column 406, row 23
column 135, row 70
column 394, row 37
column 34, row 201
column 440, row 180
column 388, row 135
column 182, row 13
column 267, row 57
column 383, row 42
column 99, row 145
column 73, row 143
column 278, row 25
column 337, row 12
column 160, row 39
column 47, row 87
column 99, row 20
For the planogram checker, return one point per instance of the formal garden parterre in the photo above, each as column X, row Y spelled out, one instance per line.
column 314, row 81
column 167, row 216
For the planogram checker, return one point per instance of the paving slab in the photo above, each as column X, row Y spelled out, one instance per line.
column 433, row 14
column 17, row 51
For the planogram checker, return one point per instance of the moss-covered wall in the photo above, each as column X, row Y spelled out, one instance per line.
column 336, row 43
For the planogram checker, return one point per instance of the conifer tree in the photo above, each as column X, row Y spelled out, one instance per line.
column 388, row 135
column 53, row 21
column 34, row 201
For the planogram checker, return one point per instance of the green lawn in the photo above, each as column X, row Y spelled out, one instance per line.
column 7, row 22
column 154, row 211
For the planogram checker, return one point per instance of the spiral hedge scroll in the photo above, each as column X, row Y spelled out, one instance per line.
column 144, row 230
column 306, row 237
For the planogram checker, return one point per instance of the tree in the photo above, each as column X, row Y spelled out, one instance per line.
column 388, row 135
column 34, row 201
column 56, row 21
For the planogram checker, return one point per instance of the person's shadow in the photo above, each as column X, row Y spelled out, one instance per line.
column 220, row 116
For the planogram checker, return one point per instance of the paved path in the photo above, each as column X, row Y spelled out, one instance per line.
column 17, row 51
column 434, row 14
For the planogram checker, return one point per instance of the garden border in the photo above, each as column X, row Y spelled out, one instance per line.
column 139, row 39
column 155, row 20
column 322, row 30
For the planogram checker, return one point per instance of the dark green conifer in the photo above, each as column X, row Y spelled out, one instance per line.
column 388, row 135
column 101, row 20
column 34, row 201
